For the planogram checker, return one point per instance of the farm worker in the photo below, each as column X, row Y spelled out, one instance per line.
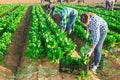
column 108, row 4
column 61, row 17
column 98, row 27
column 112, row 4
column 81, row 1
column 51, row 8
column 41, row 1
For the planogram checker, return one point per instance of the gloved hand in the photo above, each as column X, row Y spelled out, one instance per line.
column 87, row 36
column 69, row 32
column 89, row 54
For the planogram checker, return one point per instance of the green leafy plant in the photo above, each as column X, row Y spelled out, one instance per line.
column 84, row 76
column 83, row 51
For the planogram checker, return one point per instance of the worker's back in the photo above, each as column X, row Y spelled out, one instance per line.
column 67, row 11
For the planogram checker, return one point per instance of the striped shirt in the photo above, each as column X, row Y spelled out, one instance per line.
column 97, row 25
column 64, row 13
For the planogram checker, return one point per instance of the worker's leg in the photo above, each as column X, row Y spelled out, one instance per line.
column 83, row 1
column 78, row 1
column 42, row 1
column 106, row 5
column 109, row 5
column 70, row 26
column 98, row 49
column 112, row 6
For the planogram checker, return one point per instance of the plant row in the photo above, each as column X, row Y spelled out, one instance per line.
column 7, row 9
column 8, row 22
column 8, row 26
column 52, row 42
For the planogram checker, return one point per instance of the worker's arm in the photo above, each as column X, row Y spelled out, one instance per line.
column 95, row 37
column 91, row 51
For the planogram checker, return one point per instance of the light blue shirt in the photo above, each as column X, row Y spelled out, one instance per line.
column 97, row 25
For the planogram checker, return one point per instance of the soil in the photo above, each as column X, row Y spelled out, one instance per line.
column 111, row 72
column 78, row 42
column 44, row 69
column 6, row 73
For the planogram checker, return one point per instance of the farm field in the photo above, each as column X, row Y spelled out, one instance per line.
column 32, row 44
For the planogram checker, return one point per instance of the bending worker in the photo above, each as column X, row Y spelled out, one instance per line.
column 98, row 28
column 63, row 15
column 50, row 8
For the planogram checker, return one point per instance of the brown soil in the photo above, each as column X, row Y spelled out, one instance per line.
column 116, row 67
column 6, row 73
column 36, row 67
column 117, row 49
column 78, row 42
column 112, row 72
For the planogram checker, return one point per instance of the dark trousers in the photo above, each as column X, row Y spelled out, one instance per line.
column 108, row 5
column 71, row 22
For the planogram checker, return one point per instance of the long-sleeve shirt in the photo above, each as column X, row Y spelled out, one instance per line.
column 97, row 25
column 64, row 13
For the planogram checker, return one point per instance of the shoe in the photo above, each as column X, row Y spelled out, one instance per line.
column 91, row 66
column 94, row 69
column 69, row 32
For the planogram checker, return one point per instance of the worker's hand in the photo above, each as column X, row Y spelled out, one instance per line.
column 89, row 54
column 48, row 13
column 87, row 37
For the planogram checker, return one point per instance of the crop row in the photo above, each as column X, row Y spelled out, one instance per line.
column 46, row 39
column 8, row 26
column 6, row 9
